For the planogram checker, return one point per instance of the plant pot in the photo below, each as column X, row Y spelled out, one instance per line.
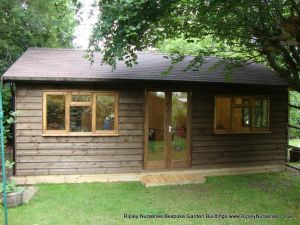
column 14, row 199
column 294, row 156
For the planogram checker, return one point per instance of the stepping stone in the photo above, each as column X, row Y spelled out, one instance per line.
column 171, row 179
column 29, row 193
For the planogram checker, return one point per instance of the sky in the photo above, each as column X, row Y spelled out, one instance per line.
column 83, row 31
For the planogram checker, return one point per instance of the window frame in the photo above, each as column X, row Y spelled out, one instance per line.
column 69, row 103
column 252, row 129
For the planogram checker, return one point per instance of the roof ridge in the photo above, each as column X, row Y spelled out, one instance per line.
column 56, row 49
column 138, row 52
column 79, row 49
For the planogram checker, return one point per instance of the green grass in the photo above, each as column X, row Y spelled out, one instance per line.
column 105, row 204
column 294, row 142
column 295, row 164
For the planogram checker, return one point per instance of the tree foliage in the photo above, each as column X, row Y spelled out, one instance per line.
column 182, row 46
column 294, row 113
column 264, row 31
column 32, row 23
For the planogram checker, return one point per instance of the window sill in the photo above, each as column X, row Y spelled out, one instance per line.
column 246, row 132
column 82, row 135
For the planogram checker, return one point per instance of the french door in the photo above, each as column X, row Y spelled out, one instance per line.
column 167, row 130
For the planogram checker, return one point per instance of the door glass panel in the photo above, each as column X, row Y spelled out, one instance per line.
column 156, row 104
column 178, row 127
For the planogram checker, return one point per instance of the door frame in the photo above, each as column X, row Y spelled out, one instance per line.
column 168, row 163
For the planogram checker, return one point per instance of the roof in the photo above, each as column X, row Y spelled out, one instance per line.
column 69, row 65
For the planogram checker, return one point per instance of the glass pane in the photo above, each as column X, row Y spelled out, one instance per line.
column 81, row 98
column 179, row 126
column 156, row 105
column 241, row 119
column 241, row 102
column 55, row 112
column 105, row 109
column 260, row 113
column 246, row 117
column 223, row 113
column 80, row 119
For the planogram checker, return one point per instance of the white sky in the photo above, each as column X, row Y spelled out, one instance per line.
column 83, row 31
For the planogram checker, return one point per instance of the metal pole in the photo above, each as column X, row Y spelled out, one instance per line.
column 3, row 159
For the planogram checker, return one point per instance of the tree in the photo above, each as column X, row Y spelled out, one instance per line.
column 263, row 31
column 181, row 46
column 31, row 23
column 294, row 119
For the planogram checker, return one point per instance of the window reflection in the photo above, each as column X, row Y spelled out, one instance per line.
column 179, row 126
column 55, row 112
column 105, row 108
column 156, row 105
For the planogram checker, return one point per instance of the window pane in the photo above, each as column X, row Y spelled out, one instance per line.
column 241, row 119
column 241, row 101
column 105, row 112
column 246, row 117
column 179, row 126
column 223, row 113
column 241, row 114
column 156, row 109
column 81, row 98
column 260, row 107
column 80, row 119
column 55, row 112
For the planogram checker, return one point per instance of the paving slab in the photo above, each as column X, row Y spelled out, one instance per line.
column 29, row 193
column 171, row 179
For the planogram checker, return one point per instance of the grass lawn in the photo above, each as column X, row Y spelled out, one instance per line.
column 294, row 142
column 105, row 204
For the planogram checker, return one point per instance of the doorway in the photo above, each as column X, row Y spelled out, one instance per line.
column 167, row 130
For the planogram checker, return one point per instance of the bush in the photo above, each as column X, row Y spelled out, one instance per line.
column 294, row 114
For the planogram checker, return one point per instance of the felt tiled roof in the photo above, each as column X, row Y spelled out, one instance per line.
column 38, row 64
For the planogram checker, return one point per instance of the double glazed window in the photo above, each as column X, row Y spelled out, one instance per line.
column 241, row 114
column 80, row 113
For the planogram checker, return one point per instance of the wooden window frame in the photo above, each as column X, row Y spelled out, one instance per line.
column 252, row 129
column 92, row 104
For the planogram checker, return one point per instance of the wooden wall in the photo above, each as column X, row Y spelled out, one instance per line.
column 211, row 150
column 38, row 155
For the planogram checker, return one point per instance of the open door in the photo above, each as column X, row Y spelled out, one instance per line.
column 167, row 130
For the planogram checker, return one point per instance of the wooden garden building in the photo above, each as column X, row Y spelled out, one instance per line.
column 78, row 118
